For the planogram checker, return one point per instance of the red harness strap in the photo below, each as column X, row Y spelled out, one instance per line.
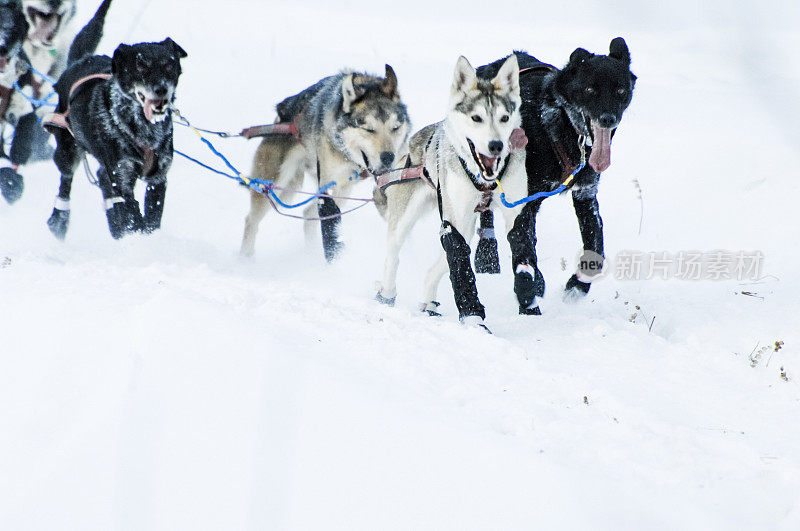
column 411, row 173
column 58, row 119
column 270, row 130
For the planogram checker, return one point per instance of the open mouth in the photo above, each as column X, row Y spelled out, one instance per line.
column 3, row 64
column 487, row 165
column 46, row 25
column 155, row 110
column 600, row 159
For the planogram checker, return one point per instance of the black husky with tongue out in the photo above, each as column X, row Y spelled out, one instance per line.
column 119, row 111
column 565, row 113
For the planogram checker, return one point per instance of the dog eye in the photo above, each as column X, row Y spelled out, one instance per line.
column 589, row 90
column 396, row 129
column 477, row 119
column 504, row 118
column 368, row 130
column 621, row 91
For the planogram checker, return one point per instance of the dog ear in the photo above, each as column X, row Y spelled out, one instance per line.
column 619, row 50
column 580, row 55
column 181, row 53
column 464, row 78
column 389, row 85
column 348, row 93
column 507, row 79
column 119, row 58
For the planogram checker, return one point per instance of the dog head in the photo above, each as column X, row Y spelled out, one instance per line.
column 46, row 18
column 374, row 122
column 148, row 73
column 595, row 91
column 13, row 30
column 484, row 113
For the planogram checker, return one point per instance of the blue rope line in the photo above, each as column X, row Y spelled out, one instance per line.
column 256, row 184
column 44, row 102
column 42, row 75
column 209, row 168
column 539, row 195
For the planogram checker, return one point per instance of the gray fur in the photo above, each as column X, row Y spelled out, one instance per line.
column 341, row 136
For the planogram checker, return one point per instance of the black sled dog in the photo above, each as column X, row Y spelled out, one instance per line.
column 119, row 111
column 13, row 65
column 564, row 113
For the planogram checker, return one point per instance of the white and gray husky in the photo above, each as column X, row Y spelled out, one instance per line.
column 464, row 156
column 349, row 124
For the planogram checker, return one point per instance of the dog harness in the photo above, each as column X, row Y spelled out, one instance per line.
column 59, row 120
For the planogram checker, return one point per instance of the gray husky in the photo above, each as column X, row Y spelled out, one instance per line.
column 464, row 156
column 349, row 125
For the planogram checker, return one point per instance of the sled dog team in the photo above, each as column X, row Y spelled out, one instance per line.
column 514, row 131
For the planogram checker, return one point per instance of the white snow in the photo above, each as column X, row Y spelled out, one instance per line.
column 161, row 382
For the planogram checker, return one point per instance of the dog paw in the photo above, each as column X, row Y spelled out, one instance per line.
column 123, row 217
column 530, row 310
column 575, row 289
column 150, row 227
column 11, row 185
column 333, row 250
column 59, row 223
column 474, row 321
column 431, row 308
column 388, row 301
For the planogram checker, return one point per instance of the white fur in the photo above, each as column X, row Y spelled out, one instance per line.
column 406, row 201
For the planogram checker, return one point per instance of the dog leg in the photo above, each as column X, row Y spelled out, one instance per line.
column 66, row 159
column 590, row 223
column 487, row 259
column 11, row 182
column 328, row 208
column 122, row 209
column 528, row 280
column 258, row 209
column 432, row 280
column 154, row 205
column 400, row 223
column 462, row 277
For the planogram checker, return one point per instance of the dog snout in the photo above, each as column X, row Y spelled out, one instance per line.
column 607, row 120
column 495, row 147
column 387, row 157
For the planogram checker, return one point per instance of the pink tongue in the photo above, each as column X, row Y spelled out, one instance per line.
column 488, row 163
column 600, row 159
column 3, row 63
column 149, row 109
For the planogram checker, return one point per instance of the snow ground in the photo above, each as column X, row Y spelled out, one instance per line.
column 162, row 383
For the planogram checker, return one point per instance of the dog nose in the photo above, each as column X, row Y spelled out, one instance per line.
column 495, row 147
column 387, row 157
column 607, row 120
column 160, row 91
column 3, row 51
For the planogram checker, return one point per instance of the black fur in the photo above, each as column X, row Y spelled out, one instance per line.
column 461, row 276
column 327, row 208
column 87, row 41
column 487, row 259
column 556, row 108
column 13, row 30
column 109, row 123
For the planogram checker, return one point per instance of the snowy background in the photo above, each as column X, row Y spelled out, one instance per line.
column 162, row 383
